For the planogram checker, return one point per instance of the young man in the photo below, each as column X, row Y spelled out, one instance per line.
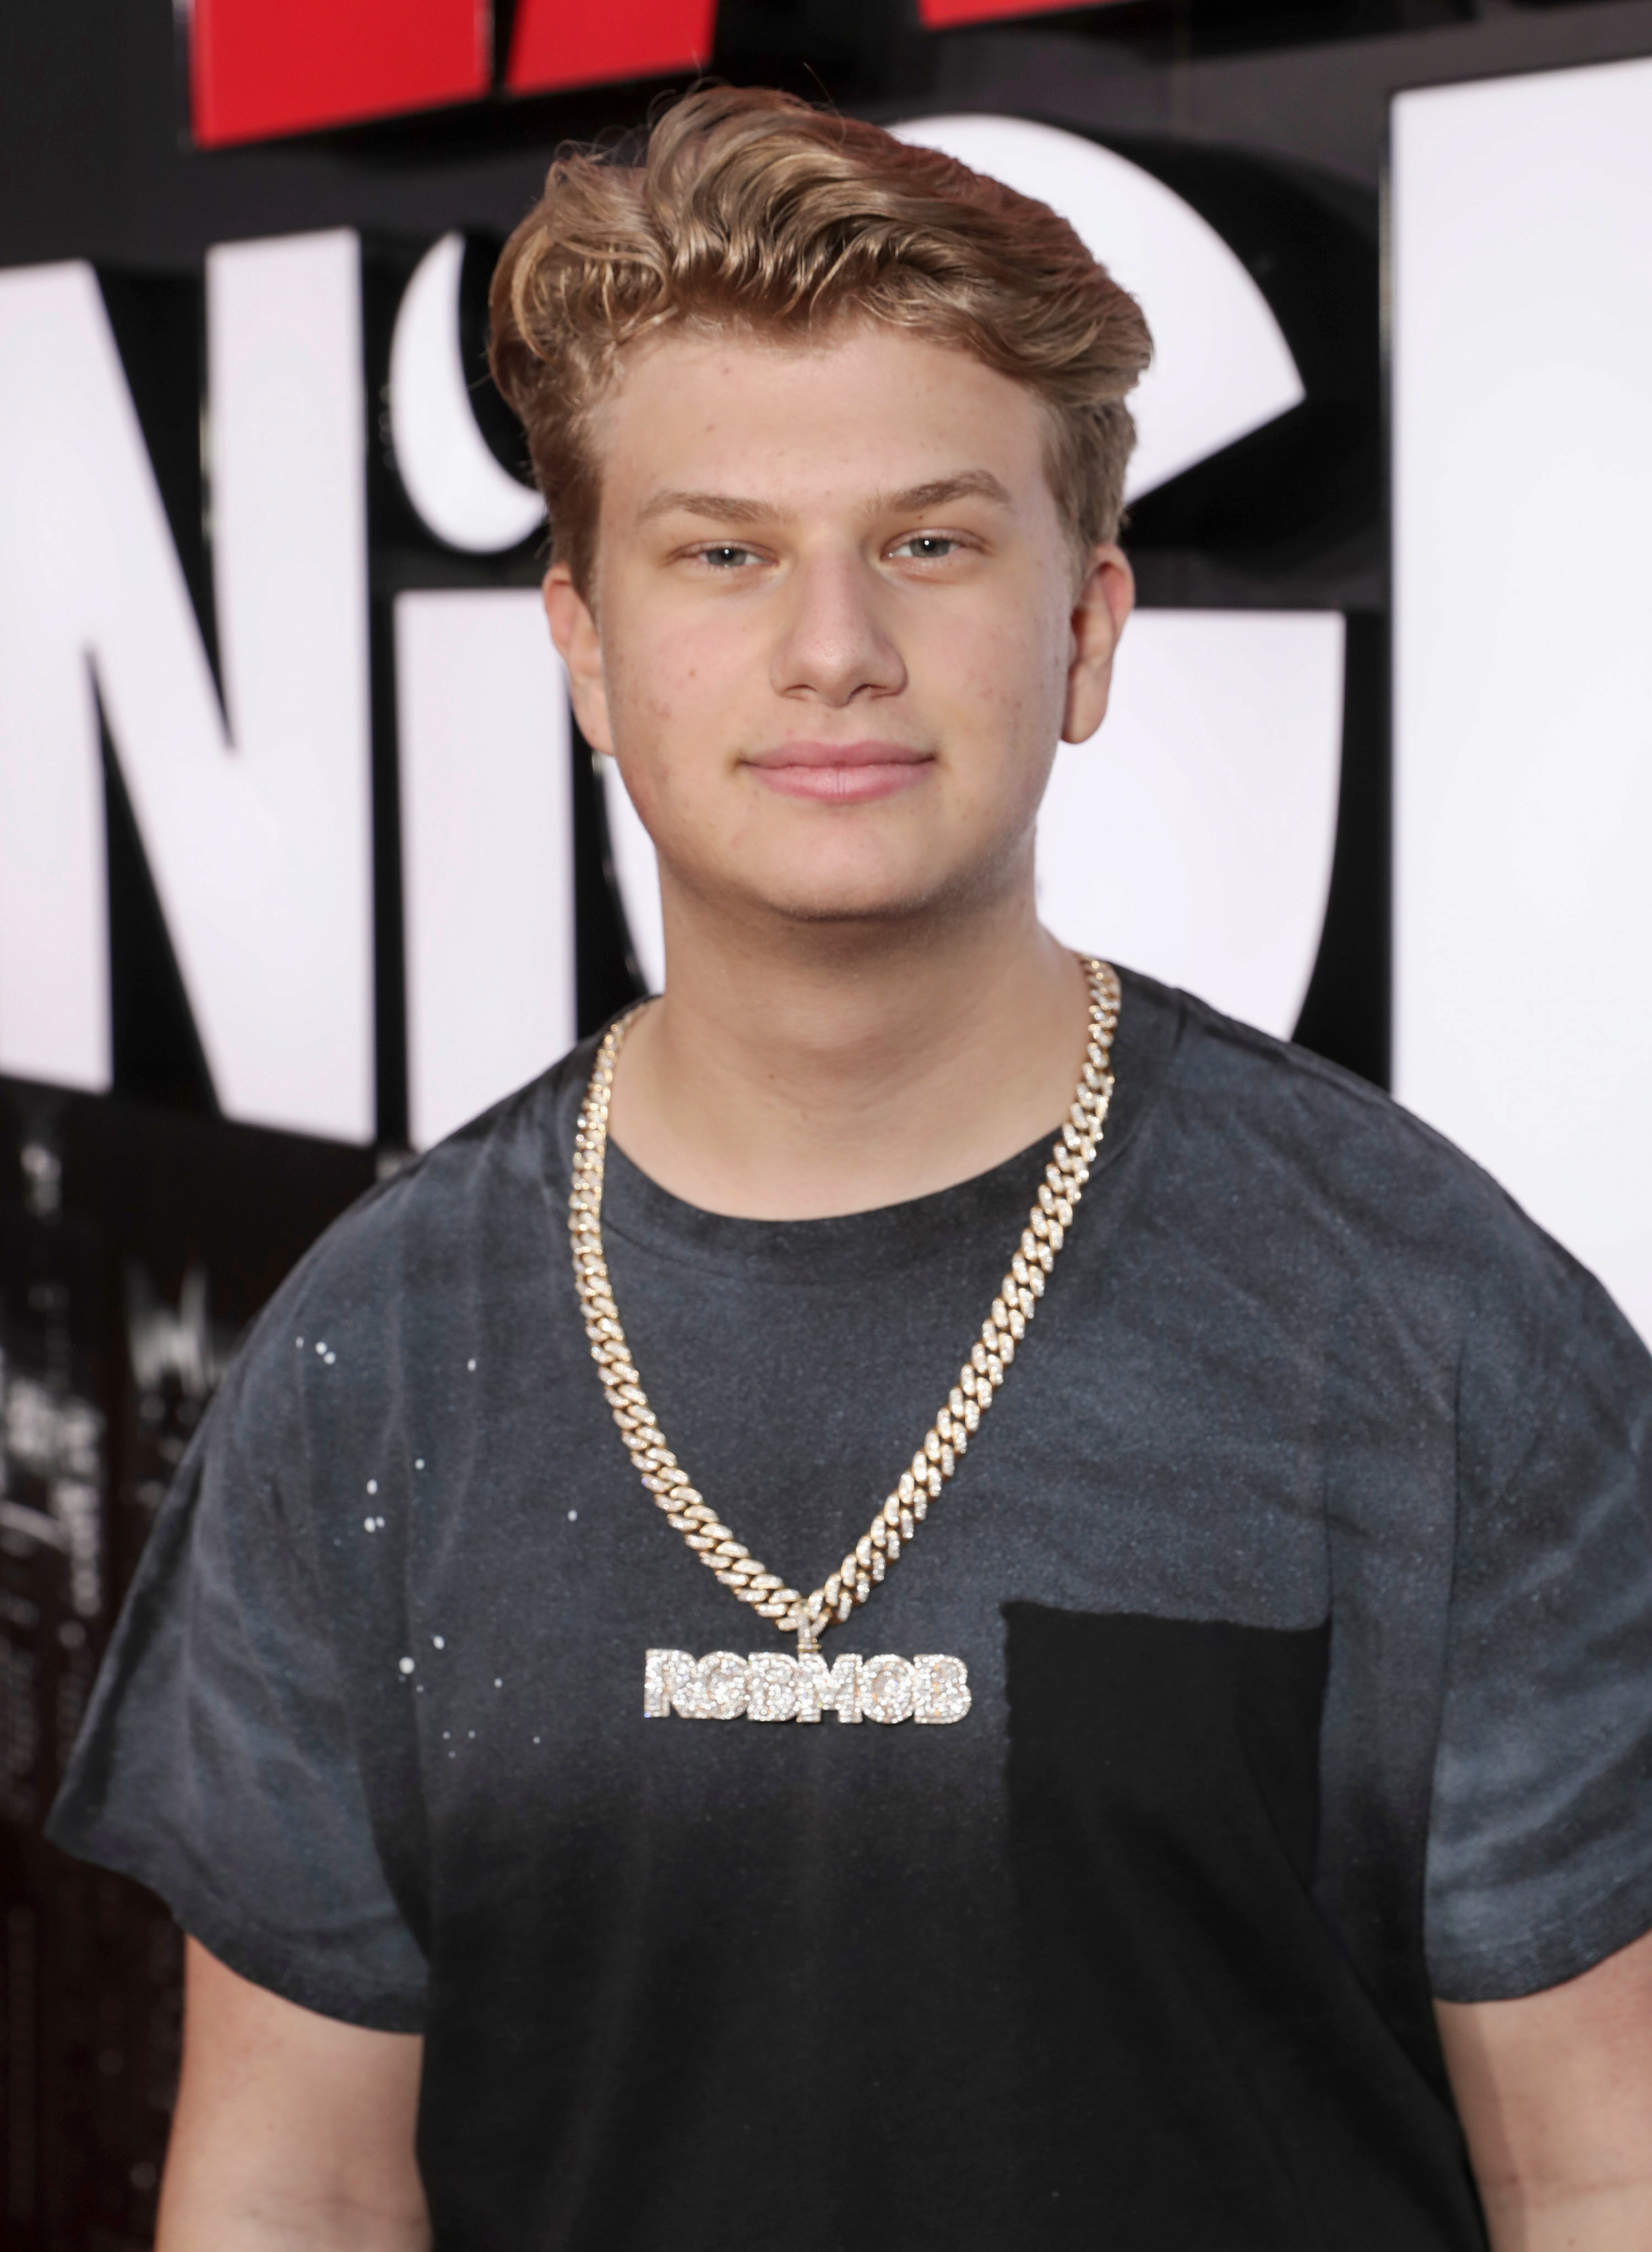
column 1219, row 1766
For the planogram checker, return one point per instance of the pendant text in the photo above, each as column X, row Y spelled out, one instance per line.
column 769, row 1685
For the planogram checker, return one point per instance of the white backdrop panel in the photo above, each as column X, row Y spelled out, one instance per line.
column 487, row 850
column 637, row 873
column 1193, row 837
column 1523, row 338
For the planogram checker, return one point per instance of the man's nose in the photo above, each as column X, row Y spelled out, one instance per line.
column 835, row 640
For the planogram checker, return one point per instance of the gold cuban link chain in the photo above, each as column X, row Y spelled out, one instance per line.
column 897, row 1522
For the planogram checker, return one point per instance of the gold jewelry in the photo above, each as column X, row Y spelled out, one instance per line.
column 897, row 1522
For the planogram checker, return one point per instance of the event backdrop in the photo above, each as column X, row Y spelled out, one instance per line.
column 302, row 861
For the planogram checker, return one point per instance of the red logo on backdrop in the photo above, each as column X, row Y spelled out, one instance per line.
column 262, row 69
column 557, row 42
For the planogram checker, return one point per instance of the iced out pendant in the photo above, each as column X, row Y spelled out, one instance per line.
column 769, row 1685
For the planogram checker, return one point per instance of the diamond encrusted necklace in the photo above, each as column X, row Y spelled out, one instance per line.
column 716, row 1693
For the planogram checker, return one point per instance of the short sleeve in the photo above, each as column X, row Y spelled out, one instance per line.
column 215, row 1764
column 1540, row 1840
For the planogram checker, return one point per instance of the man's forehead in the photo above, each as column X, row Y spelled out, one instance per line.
column 688, row 409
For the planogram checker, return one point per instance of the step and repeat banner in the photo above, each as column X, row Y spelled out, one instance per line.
column 302, row 861
column 245, row 737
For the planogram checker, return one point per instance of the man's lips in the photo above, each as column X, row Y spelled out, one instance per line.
column 841, row 774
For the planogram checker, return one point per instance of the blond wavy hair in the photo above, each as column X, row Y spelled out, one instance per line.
column 750, row 211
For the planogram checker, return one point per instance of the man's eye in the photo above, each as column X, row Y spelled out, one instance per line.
column 725, row 557
column 927, row 546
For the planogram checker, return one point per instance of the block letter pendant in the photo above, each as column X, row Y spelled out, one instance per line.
column 769, row 1685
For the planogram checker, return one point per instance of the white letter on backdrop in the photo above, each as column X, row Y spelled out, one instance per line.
column 458, row 489
column 258, row 836
column 487, row 866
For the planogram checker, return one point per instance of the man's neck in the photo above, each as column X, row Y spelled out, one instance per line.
column 799, row 1073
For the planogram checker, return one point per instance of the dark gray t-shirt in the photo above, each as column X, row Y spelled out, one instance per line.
column 1303, row 1575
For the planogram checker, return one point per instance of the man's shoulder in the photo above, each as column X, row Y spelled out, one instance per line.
column 482, row 1203
column 481, row 1177
column 1223, row 1060
column 1316, row 1145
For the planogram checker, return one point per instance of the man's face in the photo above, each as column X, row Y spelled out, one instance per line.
column 833, row 638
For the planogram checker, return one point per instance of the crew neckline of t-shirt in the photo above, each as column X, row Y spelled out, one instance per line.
column 636, row 1208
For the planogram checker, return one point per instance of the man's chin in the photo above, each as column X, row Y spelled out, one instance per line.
column 821, row 900
column 822, row 888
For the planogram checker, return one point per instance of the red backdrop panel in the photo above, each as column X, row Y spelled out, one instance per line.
column 261, row 68
column 583, row 42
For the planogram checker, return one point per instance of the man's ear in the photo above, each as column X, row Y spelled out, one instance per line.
column 1104, row 602
column 574, row 630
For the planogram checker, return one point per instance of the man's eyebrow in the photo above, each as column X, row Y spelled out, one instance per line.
column 911, row 500
column 719, row 508
column 968, row 484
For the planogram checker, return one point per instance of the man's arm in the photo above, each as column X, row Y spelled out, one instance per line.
column 292, row 2130
column 1555, row 2095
